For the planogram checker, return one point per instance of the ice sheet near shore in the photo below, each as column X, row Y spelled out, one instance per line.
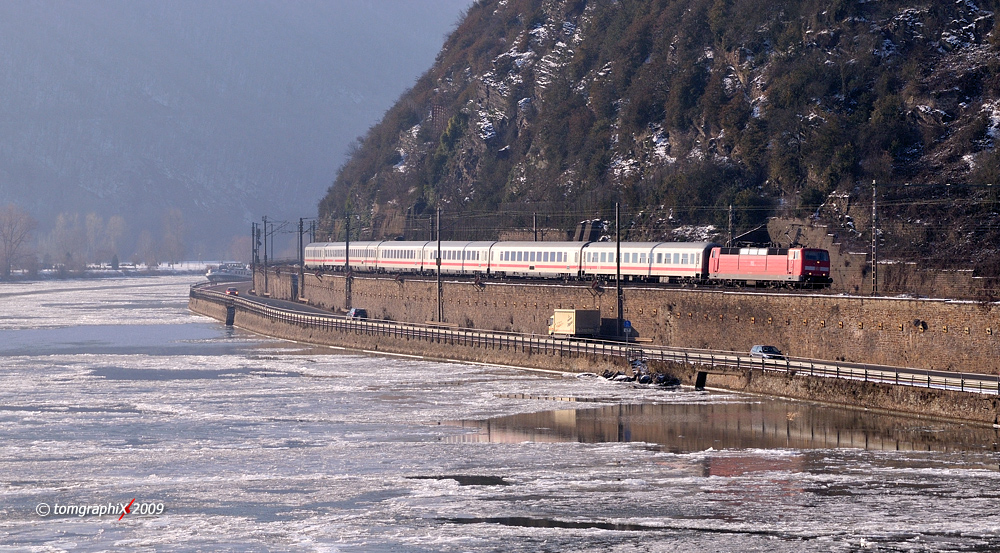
column 115, row 392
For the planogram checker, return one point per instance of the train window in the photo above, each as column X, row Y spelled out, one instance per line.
column 677, row 259
column 684, row 259
column 576, row 257
column 604, row 257
column 519, row 256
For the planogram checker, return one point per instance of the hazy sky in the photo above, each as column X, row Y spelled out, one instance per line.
column 227, row 110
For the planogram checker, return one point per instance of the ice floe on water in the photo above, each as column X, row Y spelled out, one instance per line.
column 253, row 445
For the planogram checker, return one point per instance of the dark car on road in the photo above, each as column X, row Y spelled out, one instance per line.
column 357, row 313
column 232, row 291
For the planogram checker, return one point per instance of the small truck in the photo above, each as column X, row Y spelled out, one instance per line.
column 575, row 323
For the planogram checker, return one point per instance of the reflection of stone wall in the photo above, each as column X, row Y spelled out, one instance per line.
column 961, row 336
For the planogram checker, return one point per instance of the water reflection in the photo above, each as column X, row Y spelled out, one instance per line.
column 768, row 424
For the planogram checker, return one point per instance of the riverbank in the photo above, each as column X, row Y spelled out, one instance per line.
column 468, row 345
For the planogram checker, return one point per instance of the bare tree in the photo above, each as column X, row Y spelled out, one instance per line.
column 15, row 229
column 94, row 226
column 174, row 230
column 68, row 241
column 145, row 250
column 114, row 233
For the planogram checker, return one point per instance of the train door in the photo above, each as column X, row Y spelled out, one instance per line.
column 793, row 255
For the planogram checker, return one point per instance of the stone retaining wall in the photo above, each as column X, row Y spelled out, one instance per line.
column 929, row 334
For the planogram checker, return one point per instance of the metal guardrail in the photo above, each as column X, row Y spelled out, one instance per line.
column 536, row 344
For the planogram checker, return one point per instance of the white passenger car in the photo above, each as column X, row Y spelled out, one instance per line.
column 536, row 259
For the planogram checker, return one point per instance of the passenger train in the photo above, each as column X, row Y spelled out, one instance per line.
column 681, row 262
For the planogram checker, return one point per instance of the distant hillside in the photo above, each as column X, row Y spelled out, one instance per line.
column 219, row 111
column 681, row 108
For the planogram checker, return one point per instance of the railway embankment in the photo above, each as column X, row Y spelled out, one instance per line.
column 923, row 333
column 467, row 342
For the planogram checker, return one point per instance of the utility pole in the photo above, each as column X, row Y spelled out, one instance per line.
column 254, row 240
column 874, row 244
column 266, row 293
column 347, row 264
column 302, row 264
column 618, row 271
column 534, row 225
column 729, row 243
column 440, row 289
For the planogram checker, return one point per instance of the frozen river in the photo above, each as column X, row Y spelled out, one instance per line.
column 112, row 391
